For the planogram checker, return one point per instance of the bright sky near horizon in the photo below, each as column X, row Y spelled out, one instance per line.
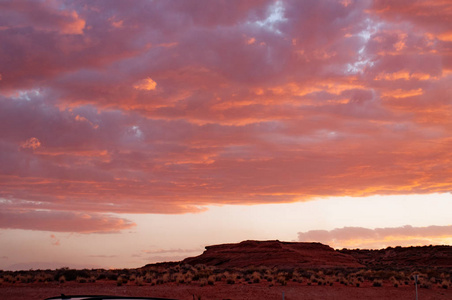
column 138, row 132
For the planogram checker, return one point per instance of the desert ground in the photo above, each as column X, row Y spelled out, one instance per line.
column 222, row 290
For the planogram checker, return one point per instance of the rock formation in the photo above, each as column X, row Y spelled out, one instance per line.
column 273, row 254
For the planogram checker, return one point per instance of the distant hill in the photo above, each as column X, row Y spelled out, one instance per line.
column 425, row 256
column 273, row 254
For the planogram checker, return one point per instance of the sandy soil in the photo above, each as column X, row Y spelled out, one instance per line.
column 40, row 291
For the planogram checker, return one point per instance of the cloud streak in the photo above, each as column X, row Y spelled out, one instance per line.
column 359, row 237
column 56, row 221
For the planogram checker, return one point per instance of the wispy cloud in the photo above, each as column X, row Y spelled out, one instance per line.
column 165, row 251
column 359, row 237
column 55, row 240
column 61, row 221
column 103, row 256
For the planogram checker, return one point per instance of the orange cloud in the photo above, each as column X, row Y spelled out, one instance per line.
column 399, row 93
column 146, row 84
column 45, row 16
column 32, row 143
column 359, row 237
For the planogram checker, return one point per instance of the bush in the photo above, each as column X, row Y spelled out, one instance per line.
column 71, row 274
column 425, row 285
column 81, row 279
column 139, row 281
column 377, row 283
column 121, row 280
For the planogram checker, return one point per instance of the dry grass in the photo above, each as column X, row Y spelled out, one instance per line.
column 201, row 275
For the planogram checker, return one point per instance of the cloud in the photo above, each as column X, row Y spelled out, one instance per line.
column 60, row 221
column 103, row 256
column 179, row 250
column 32, row 143
column 169, row 107
column 146, row 84
column 359, row 237
column 42, row 15
column 55, row 240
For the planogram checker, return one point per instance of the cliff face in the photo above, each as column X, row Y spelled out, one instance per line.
column 425, row 256
column 273, row 254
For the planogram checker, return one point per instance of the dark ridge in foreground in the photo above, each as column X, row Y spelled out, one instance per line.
column 273, row 254
column 423, row 256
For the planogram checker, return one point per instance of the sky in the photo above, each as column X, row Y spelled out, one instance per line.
column 139, row 132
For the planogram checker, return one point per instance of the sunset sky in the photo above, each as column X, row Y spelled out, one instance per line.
column 134, row 132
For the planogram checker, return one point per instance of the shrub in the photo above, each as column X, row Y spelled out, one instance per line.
column 119, row 281
column 179, row 278
column 43, row 277
column 281, row 280
column 256, row 277
column 80, row 279
column 71, row 274
column 101, row 276
column 166, row 278
column 425, row 285
column 9, row 278
column 377, row 283
column 139, row 281
column 202, row 282
column 24, row 278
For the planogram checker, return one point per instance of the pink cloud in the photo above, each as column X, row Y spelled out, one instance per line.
column 359, row 237
column 32, row 143
column 60, row 221
column 179, row 250
column 43, row 16
column 168, row 107
column 55, row 240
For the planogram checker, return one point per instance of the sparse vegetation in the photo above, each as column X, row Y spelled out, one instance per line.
column 201, row 275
